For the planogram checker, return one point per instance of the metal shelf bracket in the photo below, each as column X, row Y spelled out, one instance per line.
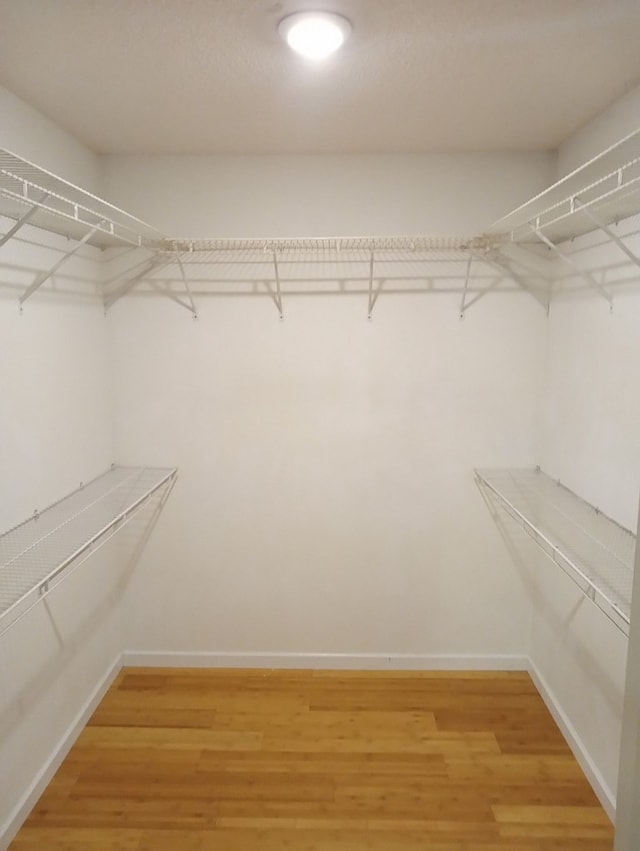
column 23, row 220
column 278, row 294
column 44, row 276
column 586, row 276
column 156, row 263
column 599, row 223
column 192, row 308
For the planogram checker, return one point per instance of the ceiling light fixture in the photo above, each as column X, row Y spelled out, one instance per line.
column 314, row 35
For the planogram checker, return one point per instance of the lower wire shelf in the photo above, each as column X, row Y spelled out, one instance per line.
column 38, row 554
column 592, row 549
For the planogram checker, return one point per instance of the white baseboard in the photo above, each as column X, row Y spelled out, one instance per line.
column 20, row 812
column 324, row 661
column 595, row 778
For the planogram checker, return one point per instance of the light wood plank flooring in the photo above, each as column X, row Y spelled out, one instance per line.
column 234, row 760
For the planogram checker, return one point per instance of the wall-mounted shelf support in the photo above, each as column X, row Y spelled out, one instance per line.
column 192, row 306
column 372, row 298
column 44, row 550
column 594, row 551
column 153, row 265
column 23, row 220
column 467, row 275
column 501, row 265
column 44, row 276
column 500, row 262
column 278, row 294
column 601, row 225
column 586, row 276
column 507, row 264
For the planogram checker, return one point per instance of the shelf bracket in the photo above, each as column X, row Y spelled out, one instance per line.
column 528, row 261
column 167, row 293
column 492, row 286
column 44, row 276
column 500, row 264
column 278, row 295
column 372, row 298
column 504, row 264
column 586, row 276
column 187, row 287
column 152, row 265
column 607, row 230
column 466, row 286
column 23, row 220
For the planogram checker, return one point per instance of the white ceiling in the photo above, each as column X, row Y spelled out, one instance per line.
column 213, row 76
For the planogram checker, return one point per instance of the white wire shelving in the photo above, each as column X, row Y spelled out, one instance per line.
column 524, row 250
column 604, row 190
column 32, row 195
column 592, row 549
column 594, row 198
column 39, row 553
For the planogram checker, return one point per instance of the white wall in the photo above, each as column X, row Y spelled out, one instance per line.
column 326, row 501
column 614, row 123
column 315, row 196
column 591, row 414
column 589, row 426
column 628, row 814
column 55, row 431
column 26, row 132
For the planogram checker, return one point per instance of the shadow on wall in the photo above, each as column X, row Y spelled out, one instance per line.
column 37, row 650
column 559, row 618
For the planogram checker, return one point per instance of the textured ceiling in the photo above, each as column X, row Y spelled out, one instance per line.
column 212, row 76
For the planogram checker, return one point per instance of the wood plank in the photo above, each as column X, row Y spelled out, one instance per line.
column 323, row 760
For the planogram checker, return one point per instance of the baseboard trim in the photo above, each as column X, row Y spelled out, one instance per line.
column 20, row 812
column 323, row 661
column 595, row 778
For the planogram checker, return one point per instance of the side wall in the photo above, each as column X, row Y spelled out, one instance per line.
column 590, row 422
column 612, row 124
column 55, row 431
column 628, row 815
column 26, row 132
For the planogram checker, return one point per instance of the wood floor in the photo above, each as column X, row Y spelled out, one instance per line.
column 178, row 760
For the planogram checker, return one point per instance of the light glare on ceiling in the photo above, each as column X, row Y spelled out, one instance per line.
column 315, row 35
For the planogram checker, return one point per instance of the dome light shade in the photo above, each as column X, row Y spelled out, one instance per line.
column 314, row 35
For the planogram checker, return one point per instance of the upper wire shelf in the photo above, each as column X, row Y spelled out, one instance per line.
column 605, row 189
column 331, row 245
column 57, row 206
column 35, row 555
column 592, row 549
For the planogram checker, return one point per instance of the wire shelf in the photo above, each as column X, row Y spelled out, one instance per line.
column 604, row 190
column 331, row 245
column 55, row 205
column 592, row 549
column 35, row 555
